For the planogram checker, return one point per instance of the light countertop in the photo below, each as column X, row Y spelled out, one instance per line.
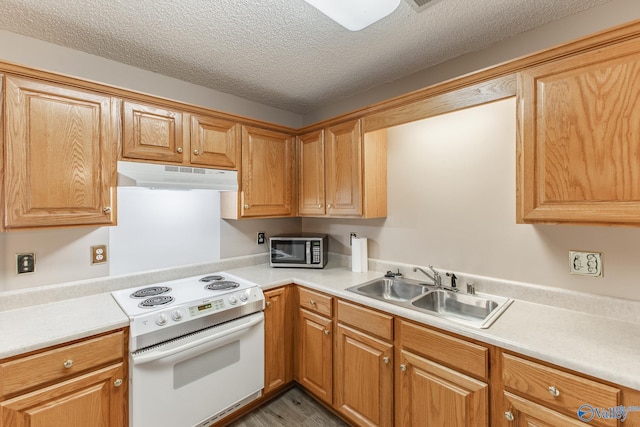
column 602, row 347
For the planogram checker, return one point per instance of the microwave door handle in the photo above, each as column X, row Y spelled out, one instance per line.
column 308, row 252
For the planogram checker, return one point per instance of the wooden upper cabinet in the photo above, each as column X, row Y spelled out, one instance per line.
column 61, row 150
column 311, row 199
column 152, row 132
column 355, row 171
column 267, row 173
column 215, row 142
column 343, row 147
column 579, row 138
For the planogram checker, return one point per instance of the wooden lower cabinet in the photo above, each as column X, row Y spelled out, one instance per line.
column 431, row 394
column 363, row 383
column 96, row 399
column 524, row 413
column 278, row 340
column 81, row 384
column 315, row 354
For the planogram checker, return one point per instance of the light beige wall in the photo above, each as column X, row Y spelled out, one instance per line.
column 238, row 238
column 615, row 12
column 452, row 204
column 47, row 56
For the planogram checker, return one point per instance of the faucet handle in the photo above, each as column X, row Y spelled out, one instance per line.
column 453, row 279
column 471, row 288
column 436, row 275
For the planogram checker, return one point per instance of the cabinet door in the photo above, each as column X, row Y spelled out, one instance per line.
column 277, row 343
column 267, row 173
column 524, row 413
column 152, row 132
column 343, row 145
column 61, row 151
column 311, row 200
column 215, row 142
column 363, row 378
column 315, row 357
column 93, row 400
column 579, row 144
column 433, row 395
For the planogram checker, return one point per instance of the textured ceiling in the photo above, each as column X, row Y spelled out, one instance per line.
column 282, row 53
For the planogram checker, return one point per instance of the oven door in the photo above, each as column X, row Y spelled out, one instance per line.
column 197, row 379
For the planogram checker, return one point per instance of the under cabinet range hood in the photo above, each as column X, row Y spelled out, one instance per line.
column 174, row 177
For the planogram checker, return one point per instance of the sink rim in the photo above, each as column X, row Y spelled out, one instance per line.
column 502, row 302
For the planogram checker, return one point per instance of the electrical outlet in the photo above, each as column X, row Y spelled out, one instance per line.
column 25, row 263
column 98, row 254
column 261, row 239
column 351, row 236
column 585, row 263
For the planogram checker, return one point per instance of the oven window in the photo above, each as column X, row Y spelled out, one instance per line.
column 291, row 252
column 204, row 364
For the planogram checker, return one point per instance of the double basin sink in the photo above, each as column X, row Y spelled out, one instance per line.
column 479, row 310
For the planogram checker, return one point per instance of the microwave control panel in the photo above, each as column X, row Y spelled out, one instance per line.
column 315, row 253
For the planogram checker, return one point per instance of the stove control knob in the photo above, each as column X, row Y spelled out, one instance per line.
column 233, row 300
column 161, row 320
column 176, row 315
column 244, row 297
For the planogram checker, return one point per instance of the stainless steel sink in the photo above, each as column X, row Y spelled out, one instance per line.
column 478, row 310
column 467, row 307
column 391, row 289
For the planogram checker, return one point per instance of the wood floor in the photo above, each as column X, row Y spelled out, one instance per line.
column 293, row 408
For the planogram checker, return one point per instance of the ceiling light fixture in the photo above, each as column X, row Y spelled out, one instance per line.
column 355, row 15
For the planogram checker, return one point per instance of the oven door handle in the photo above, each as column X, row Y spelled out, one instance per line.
column 157, row 354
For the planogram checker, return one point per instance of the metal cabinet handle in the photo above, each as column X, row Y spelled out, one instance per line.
column 196, row 152
column 246, row 206
column 319, row 206
column 329, row 206
column 179, row 150
column 326, row 332
column 553, row 391
column 312, row 302
column 268, row 303
column 509, row 416
column 403, row 368
column 385, row 360
column 117, row 382
column 106, row 209
column 69, row 363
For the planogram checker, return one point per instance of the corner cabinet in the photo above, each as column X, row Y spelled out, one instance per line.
column 343, row 173
column 81, row 384
column 578, row 156
column 60, row 155
column 267, row 177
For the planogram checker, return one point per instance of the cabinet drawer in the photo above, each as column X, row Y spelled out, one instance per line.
column 370, row 321
column 556, row 388
column 60, row 363
column 316, row 302
column 448, row 350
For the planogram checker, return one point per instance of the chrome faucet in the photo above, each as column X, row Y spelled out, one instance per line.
column 437, row 280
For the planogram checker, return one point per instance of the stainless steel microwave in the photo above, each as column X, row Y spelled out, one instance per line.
column 303, row 250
